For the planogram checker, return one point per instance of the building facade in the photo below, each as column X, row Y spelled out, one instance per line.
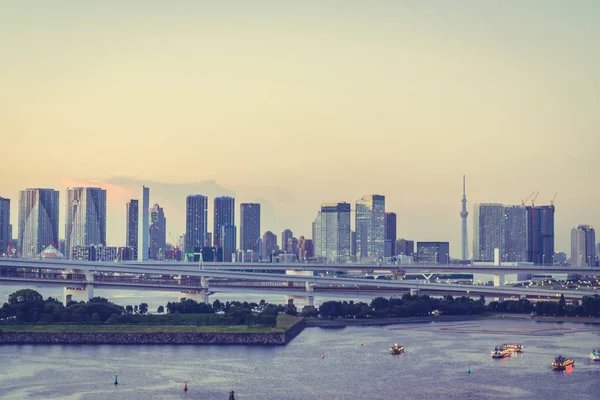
column 269, row 246
column 488, row 230
column 433, row 252
column 5, row 227
column 583, row 243
column 515, row 234
column 38, row 220
column 144, row 226
column 332, row 232
column 228, row 242
column 540, row 240
column 370, row 227
column 286, row 235
column 158, row 233
column 250, row 228
column 131, row 228
column 224, row 214
column 196, row 222
column 405, row 247
column 86, row 218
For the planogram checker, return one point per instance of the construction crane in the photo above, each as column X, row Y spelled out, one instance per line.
column 534, row 198
column 526, row 198
column 175, row 243
column 552, row 201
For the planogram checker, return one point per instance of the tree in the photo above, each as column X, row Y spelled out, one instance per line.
column 135, row 309
column 160, row 309
column 217, row 305
column 482, row 299
column 129, row 309
column 561, row 305
column 24, row 296
column 96, row 317
column 143, row 308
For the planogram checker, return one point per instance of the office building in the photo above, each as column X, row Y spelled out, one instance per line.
column 144, row 226
column 286, row 235
column 332, row 232
column 488, row 230
column 269, row 246
column 515, row 234
column 131, row 229
column 370, row 227
column 583, row 243
column 38, row 220
column 224, row 214
column 158, row 233
column 95, row 253
column 540, row 235
column 86, row 218
column 433, row 252
column 405, row 247
column 5, row 227
column 196, row 222
column 390, row 226
column 250, row 228
column 305, row 249
column 228, row 242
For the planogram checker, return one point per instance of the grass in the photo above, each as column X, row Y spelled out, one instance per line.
column 284, row 322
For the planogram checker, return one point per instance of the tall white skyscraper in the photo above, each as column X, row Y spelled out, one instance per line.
column 370, row 227
column 583, row 243
column 144, row 226
column 331, row 232
column 86, row 218
column 38, row 220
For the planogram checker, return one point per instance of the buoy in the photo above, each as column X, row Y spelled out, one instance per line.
column 323, row 355
column 361, row 343
column 185, row 385
column 116, row 380
column 231, row 395
column 469, row 369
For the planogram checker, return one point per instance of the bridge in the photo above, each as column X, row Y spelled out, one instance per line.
column 199, row 281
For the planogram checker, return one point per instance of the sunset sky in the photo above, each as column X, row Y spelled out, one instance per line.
column 299, row 103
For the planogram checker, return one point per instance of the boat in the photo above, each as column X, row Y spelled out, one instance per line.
column 562, row 363
column 397, row 349
column 500, row 352
column 595, row 355
column 517, row 348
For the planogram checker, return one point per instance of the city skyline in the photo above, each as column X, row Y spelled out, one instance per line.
column 477, row 76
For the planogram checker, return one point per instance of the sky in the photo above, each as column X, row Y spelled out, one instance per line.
column 298, row 103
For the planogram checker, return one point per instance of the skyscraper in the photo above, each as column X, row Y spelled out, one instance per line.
column 250, row 227
column 224, row 215
column 228, row 241
column 390, row 226
column 463, row 216
column 370, row 227
column 433, row 252
column 86, row 218
column 305, row 248
column 583, row 242
column 515, row 234
column 540, row 235
column 5, row 227
column 144, row 226
column 286, row 235
column 196, row 222
column 269, row 246
column 332, row 232
column 405, row 247
column 488, row 231
column 38, row 220
column 158, row 233
column 131, row 229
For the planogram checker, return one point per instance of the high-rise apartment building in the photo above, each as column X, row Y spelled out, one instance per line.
column 38, row 220
column 86, row 218
column 158, row 233
column 269, row 246
column 370, row 227
column 144, row 226
column 433, row 252
column 540, row 235
column 583, row 243
column 332, row 232
column 196, row 223
column 250, row 228
column 224, row 214
column 228, row 242
column 5, row 227
column 286, row 235
column 131, row 229
column 488, row 230
column 390, row 226
column 515, row 234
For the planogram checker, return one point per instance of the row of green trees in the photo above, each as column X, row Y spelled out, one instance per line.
column 28, row 306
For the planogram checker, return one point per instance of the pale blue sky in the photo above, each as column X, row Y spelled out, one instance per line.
column 320, row 100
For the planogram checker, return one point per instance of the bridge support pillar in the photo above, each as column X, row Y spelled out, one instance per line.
column 78, row 293
column 310, row 300
column 499, row 281
column 200, row 296
column 414, row 292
